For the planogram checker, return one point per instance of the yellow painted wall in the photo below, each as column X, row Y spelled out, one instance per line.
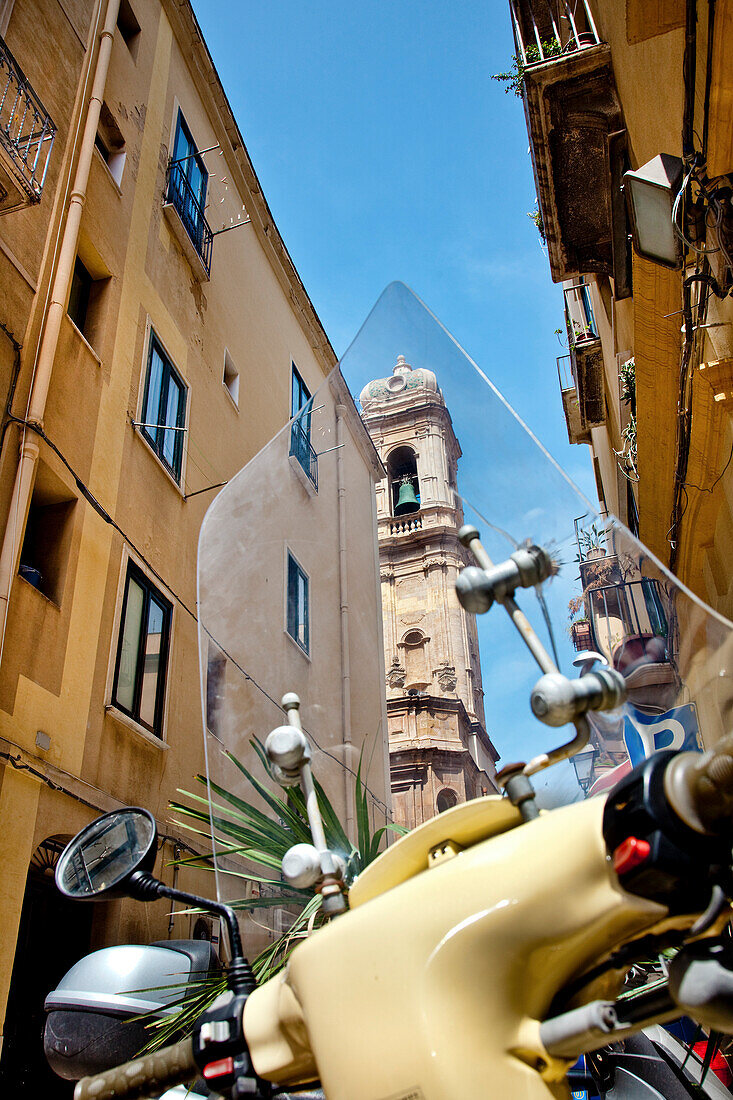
column 58, row 656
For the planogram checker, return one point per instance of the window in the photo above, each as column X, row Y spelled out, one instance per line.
column 187, row 182
column 81, row 288
column 164, row 409
column 110, row 144
column 46, row 546
column 301, row 403
column 231, row 378
column 300, row 394
column 129, row 27
column 86, row 302
column 142, row 653
column 297, row 605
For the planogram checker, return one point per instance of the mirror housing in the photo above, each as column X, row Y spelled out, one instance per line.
column 100, row 861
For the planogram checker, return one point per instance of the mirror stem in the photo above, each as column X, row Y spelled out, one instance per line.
column 146, row 887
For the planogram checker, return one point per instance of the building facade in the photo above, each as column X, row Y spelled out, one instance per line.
column 644, row 383
column 154, row 334
column 440, row 751
column 633, row 206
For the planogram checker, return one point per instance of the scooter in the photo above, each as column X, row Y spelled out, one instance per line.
column 485, row 951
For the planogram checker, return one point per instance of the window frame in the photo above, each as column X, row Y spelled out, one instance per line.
column 303, row 391
column 232, row 385
column 150, row 591
column 155, row 438
column 80, row 293
column 301, row 448
column 192, row 157
column 299, row 571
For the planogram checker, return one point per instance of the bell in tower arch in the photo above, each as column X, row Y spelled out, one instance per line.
column 407, row 501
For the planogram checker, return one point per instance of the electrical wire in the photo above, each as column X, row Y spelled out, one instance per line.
column 677, row 225
column 104, row 514
column 709, row 489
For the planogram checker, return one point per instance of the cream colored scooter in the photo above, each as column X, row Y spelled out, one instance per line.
column 474, row 951
column 485, row 951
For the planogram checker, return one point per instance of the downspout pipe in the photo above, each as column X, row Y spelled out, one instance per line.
column 689, row 67
column 29, row 450
column 344, row 614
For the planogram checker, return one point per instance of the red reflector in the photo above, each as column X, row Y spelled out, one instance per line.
column 718, row 1065
column 629, row 854
column 222, row 1068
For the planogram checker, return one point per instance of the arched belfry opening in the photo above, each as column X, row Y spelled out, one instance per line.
column 404, row 482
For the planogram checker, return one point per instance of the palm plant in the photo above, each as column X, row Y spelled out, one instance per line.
column 244, row 830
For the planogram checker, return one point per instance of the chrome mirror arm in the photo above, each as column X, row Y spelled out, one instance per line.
column 556, row 700
column 305, row 865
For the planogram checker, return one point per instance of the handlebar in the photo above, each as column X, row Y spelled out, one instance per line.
column 142, row 1076
column 700, row 788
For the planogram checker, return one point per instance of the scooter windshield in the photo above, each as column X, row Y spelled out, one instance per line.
column 407, row 440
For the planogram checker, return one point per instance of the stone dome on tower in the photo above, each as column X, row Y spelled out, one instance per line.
column 403, row 381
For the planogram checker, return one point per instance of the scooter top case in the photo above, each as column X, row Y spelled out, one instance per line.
column 93, row 1020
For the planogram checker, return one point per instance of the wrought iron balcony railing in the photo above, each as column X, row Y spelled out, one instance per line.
column 181, row 195
column 565, row 375
column 548, row 29
column 301, row 449
column 579, row 318
column 26, row 132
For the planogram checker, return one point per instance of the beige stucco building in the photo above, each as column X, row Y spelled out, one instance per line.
column 625, row 103
column 440, row 751
column 647, row 392
column 154, row 334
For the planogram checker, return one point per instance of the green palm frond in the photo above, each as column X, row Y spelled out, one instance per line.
column 248, row 832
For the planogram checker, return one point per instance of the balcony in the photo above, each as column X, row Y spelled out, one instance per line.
column 303, row 458
column 581, row 374
column 576, row 136
column 186, row 218
column 404, row 525
column 578, row 431
column 26, row 137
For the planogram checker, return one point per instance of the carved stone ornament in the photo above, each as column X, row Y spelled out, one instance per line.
column 446, row 676
column 396, row 674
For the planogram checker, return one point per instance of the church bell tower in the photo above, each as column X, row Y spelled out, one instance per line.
column 440, row 751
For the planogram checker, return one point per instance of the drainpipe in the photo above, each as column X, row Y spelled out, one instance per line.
column 29, row 449
column 344, row 606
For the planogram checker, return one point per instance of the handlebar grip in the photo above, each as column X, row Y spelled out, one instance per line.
column 700, row 788
column 150, row 1075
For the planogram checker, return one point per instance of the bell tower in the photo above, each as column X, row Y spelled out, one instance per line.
column 440, row 751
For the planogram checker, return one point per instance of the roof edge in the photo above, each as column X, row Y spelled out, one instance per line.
column 187, row 30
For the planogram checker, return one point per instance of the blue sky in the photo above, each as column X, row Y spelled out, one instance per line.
column 386, row 151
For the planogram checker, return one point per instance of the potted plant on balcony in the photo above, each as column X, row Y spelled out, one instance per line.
column 582, row 332
column 514, row 77
column 592, row 543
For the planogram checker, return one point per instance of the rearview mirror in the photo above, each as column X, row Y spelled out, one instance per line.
column 100, row 859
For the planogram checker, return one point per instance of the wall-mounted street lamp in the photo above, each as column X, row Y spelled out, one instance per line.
column 650, row 195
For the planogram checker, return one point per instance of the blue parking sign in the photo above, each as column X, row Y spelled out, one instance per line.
column 676, row 729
